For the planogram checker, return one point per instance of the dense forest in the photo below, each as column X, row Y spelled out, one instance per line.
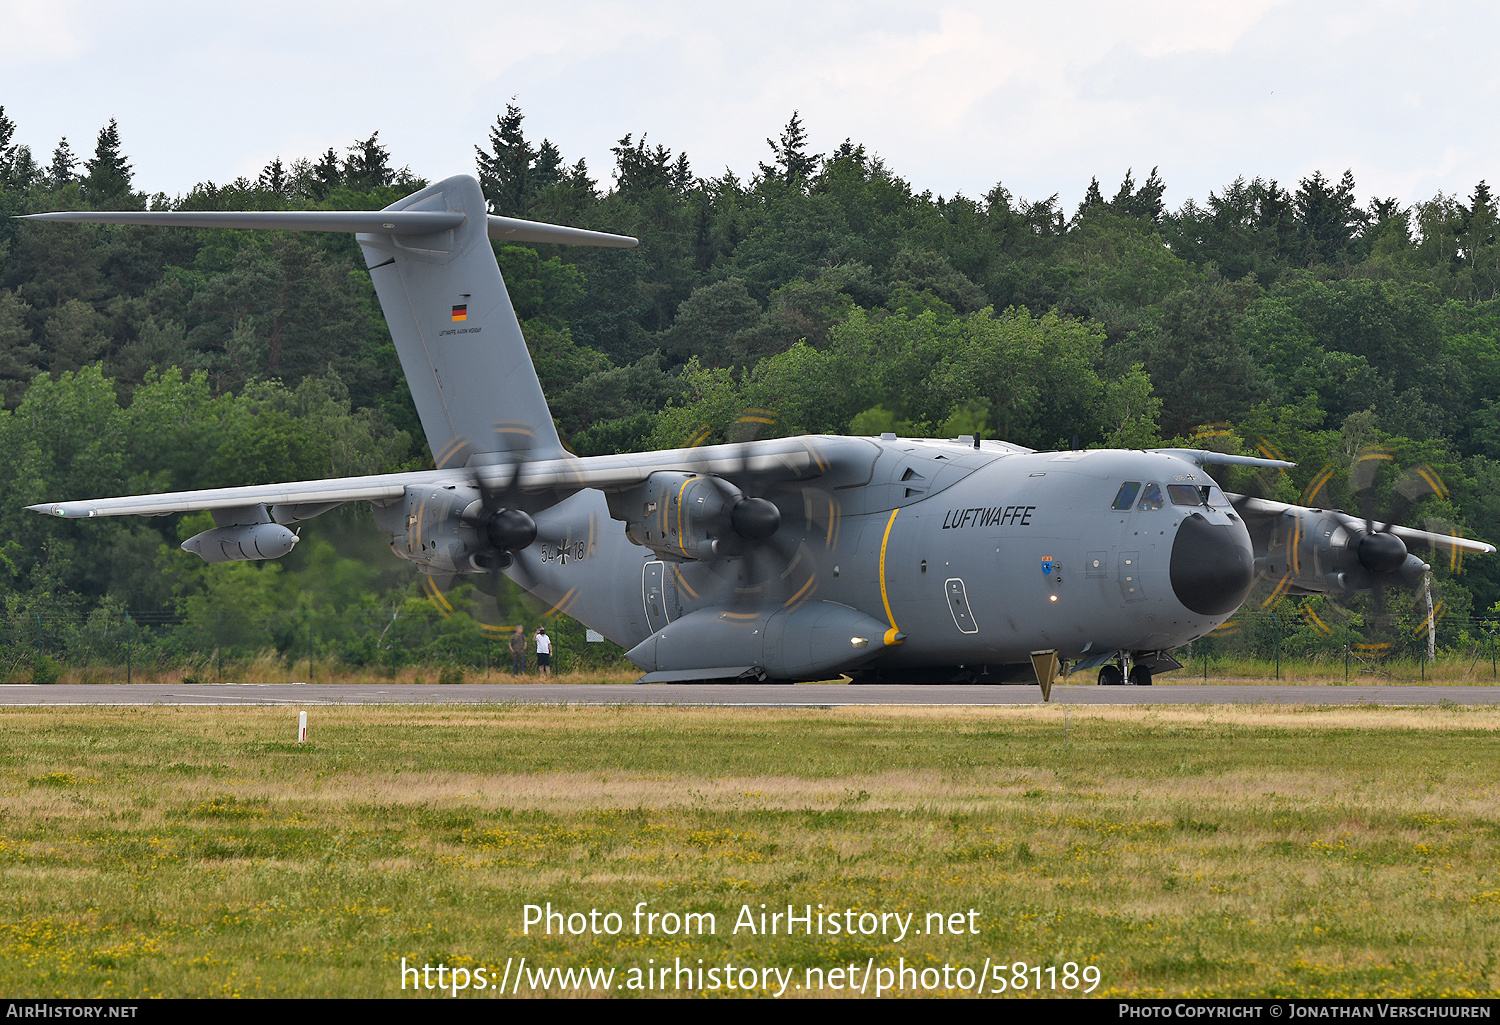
column 824, row 287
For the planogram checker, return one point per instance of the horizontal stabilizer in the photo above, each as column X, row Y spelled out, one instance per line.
column 368, row 222
column 513, row 229
column 1205, row 458
column 383, row 222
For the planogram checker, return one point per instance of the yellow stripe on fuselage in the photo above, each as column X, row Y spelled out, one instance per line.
column 890, row 635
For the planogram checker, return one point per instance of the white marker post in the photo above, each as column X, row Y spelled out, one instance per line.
column 301, row 727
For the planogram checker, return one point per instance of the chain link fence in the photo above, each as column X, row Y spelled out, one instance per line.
column 417, row 641
column 1315, row 638
column 410, row 641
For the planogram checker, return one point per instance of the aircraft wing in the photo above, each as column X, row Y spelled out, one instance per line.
column 307, row 492
column 1252, row 508
column 792, row 457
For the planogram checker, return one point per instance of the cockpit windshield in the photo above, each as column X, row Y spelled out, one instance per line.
column 1184, row 494
column 1197, row 495
column 1125, row 498
column 1151, row 497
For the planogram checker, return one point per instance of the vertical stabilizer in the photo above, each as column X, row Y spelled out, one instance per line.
column 460, row 344
column 455, row 330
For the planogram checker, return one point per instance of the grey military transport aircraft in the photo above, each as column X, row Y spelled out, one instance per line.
column 790, row 559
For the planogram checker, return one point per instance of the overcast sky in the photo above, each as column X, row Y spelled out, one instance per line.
column 955, row 96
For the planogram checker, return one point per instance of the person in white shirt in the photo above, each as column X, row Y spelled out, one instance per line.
column 543, row 651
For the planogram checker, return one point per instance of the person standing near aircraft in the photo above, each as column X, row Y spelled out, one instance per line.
column 543, row 651
column 518, row 652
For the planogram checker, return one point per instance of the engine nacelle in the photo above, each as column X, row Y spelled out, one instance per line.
column 245, row 543
column 426, row 528
column 679, row 516
column 1321, row 550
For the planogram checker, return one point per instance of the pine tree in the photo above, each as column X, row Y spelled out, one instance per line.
column 1328, row 217
column 506, row 171
column 1093, row 199
column 7, row 151
column 23, row 169
column 640, row 169
column 20, row 356
column 60, row 170
column 1477, row 244
column 109, row 173
column 682, row 173
column 368, row 165
column 273, row 178
column 1144, row 202
column 547, row 168
column 326, row 175
column 793, row 164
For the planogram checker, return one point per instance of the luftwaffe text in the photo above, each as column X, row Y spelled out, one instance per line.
column 995, row 515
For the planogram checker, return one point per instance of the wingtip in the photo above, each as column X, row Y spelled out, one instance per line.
column 60, row 509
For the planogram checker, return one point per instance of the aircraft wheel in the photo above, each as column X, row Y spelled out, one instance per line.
column 1110, row 676
column 1140, row 676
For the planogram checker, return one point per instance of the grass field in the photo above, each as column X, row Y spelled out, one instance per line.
column 1182, row 851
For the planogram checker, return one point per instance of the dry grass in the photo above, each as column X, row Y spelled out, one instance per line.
column 270, row 669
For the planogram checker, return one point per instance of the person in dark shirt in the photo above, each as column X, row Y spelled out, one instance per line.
column 517, row 652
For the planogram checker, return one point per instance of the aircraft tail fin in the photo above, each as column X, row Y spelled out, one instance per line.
column 456, row 332
column 460, row 343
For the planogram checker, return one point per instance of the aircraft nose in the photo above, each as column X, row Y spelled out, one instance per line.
column 1212, row 566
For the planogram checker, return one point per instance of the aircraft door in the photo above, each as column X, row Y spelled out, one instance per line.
column 958, row 604
column 659, row 593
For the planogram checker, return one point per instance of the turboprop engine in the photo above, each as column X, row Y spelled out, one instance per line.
column 447, row 528
column 682, row 516
column 1324, row 550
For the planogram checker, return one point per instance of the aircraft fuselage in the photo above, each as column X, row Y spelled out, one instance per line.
column 976, row 557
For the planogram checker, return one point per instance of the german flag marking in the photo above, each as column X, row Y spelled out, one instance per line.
column 460, row 313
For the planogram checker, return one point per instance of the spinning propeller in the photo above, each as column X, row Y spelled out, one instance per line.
column 1346, row 554
column 499, row 521
column 777, row 549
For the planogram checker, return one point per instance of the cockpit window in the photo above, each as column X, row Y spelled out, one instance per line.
column 1151, row 497
column 1214, row 497
column 1126, row 498
column 1184, row 494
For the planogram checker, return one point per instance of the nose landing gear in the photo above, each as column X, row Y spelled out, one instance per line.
column 1112, row 675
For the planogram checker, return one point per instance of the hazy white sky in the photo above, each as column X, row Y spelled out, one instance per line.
column 955, row 96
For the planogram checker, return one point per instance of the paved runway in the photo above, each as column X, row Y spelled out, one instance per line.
column 740, row 695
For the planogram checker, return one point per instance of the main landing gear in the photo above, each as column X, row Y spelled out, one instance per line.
column 1111, row 675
